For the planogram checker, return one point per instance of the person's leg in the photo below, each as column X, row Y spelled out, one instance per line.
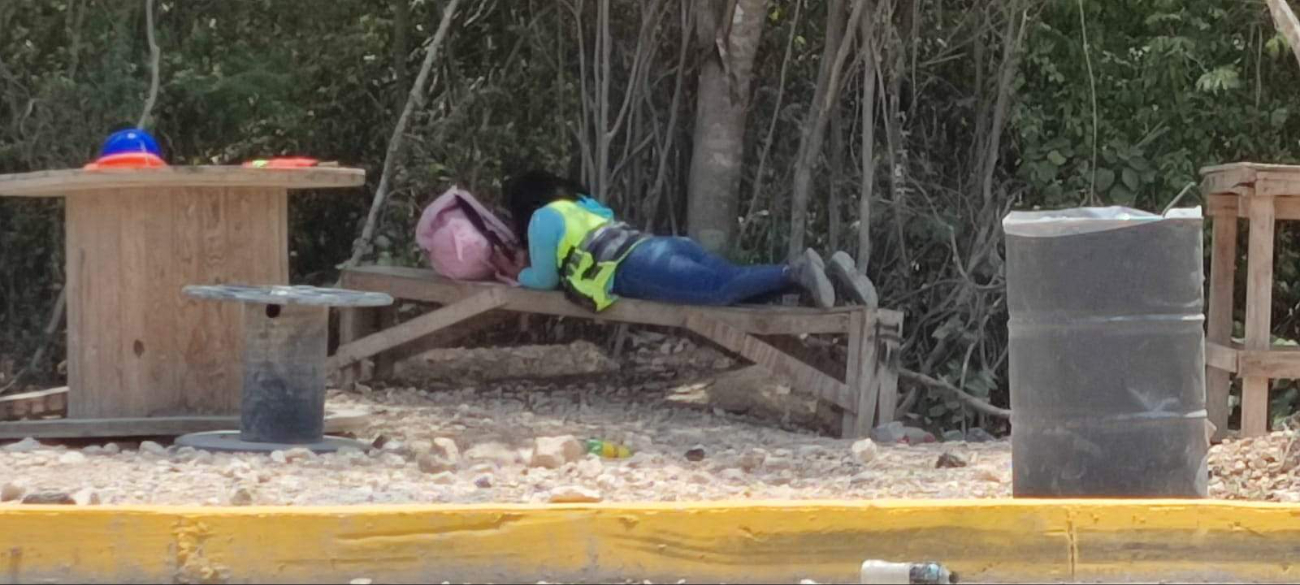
column 678, row 270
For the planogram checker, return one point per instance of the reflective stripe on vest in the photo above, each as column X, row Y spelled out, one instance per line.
column 589, row 254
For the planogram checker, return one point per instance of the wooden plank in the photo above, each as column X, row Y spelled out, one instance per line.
column 425, row 285
column 1218, row 329
column 1277, row 185
column 416, row 328
column 160, row 304
column 81, row 182
column 40, row 403
column 1275, row 363
column 96, row 291
column 68, row 428
column 1224, row 179
column 1222, row 359
column 1238, row 205
column 1259, row 304
column 857, row 378
column 354, row 323
column 803, row 376
column 886, row 335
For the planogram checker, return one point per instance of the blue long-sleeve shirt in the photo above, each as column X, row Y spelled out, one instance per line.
column 545, row 231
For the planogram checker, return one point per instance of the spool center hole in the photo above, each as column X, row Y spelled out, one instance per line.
column 272, row 311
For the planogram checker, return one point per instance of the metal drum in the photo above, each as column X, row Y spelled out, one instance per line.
column 1107, row 353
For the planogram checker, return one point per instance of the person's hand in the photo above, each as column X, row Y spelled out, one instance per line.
column 507, row 269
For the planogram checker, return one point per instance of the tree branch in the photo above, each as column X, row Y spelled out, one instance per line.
column 1287, row 24
column 154, row 56
column 395, row 143
column 960, row 394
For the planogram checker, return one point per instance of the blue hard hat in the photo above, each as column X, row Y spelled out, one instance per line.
column 130, row 140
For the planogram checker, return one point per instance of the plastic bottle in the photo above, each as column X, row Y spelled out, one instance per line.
column 875, row 571
column 607, row 449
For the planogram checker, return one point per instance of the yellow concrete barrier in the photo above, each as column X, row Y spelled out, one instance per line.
column 736, row 542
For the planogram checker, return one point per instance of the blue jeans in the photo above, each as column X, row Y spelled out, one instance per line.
column 678, row 270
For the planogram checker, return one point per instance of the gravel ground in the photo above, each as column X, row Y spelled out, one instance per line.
column 519, row 441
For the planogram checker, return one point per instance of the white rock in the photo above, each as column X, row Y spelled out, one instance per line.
column 394, row 460
column 443, row 478
column 865, row 450
column 446, row 448
column 299, row 454
column 24, row 446
column 92, row 450
column 554, row 452
column 590, row 467
column 72, row 458
column 350, row 452
column 112, row 448
column 988, row 473
column 494, row 452
column 279, row 457
column 361, row 581
column 732, row 474
column 86, row 497
column 753, row 459
column 574, row 495
column 10, row 492
column 432, row 462
column 241, row 496
column 152, row 448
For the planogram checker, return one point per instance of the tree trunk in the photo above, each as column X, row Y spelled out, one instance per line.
column 722, row 105
column 868, row 142
column 401, row 22
column 814, row 130
column 834, row 36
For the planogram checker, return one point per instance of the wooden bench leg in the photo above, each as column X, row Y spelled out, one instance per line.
column 354, row 324
column 857, row 375
column 1218, row 329
column 884, row 333
column 1259, row 307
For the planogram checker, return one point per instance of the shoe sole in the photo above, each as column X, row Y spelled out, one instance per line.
column 845, row 272
column 822, row 290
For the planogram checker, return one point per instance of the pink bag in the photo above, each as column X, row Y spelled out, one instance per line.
column 461, row 237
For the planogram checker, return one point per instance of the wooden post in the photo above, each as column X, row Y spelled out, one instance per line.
column 885, row 335
column 1223, row 265
column 857, row 376
column 1259, row 305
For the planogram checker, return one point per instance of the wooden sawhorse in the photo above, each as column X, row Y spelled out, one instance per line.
column 866, row 394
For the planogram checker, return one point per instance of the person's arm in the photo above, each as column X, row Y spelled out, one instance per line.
column 545, row 230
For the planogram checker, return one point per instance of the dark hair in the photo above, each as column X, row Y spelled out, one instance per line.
column 534, row 190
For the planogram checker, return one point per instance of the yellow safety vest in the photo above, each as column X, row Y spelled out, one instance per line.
column 589, row 254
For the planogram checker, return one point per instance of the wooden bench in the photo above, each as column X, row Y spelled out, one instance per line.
column 866, row 392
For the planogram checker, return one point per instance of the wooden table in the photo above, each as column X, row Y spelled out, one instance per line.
column 143, row 359
column 1261, row 194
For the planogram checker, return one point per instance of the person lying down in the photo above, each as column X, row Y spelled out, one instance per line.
column 575, row 244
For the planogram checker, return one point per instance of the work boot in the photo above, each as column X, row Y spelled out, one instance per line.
column 808, row 272
column 859, row 287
